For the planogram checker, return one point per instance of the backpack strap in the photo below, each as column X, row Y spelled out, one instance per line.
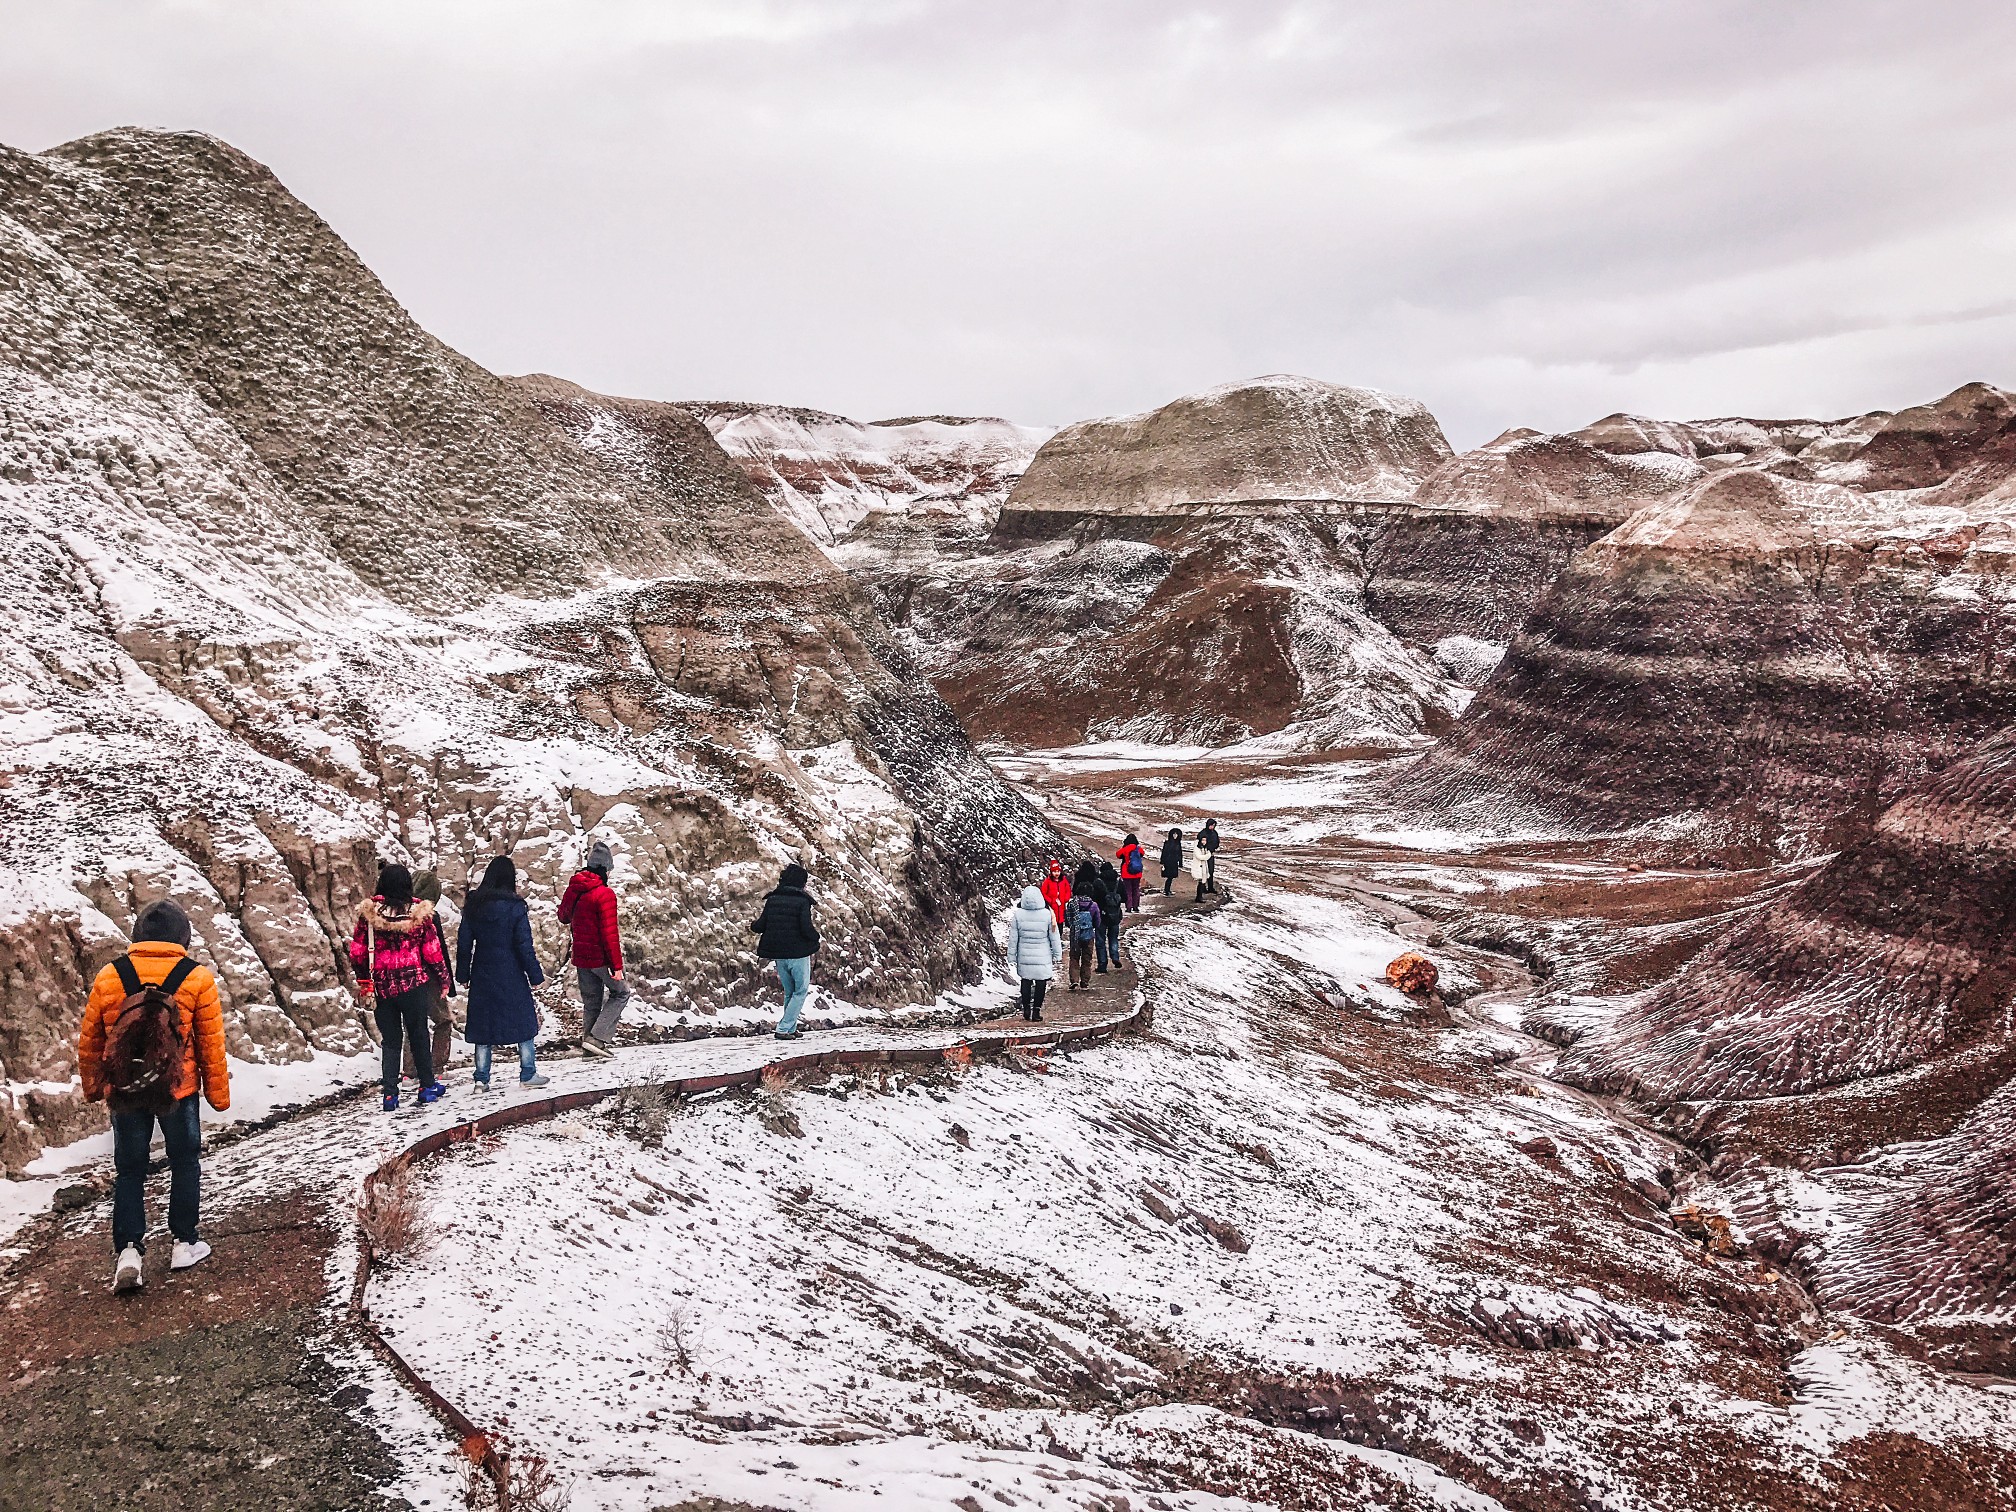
column 129, row 977
column 179, row 973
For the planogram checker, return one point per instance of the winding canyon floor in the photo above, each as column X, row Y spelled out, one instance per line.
column 1303, row 1243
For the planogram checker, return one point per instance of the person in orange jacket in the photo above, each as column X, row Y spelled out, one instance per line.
column 1057, row 890
column 160, row 945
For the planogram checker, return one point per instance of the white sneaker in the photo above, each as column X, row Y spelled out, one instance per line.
column 126, row 1275
column 187, row 1255
column 593, row 1046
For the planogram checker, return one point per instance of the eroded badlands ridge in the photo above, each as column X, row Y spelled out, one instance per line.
column 292, row 586
column 837, row 478
column 1275, row 438
column 1779, row 645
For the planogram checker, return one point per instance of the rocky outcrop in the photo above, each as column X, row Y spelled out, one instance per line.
column 1267, row 441
column 1759, row 664
column 1931, row 1250
column 834, row 477
column 1488, row 532
column 1208, row 631
column 291, row 587
column 1195, row 574
column 1893, row 965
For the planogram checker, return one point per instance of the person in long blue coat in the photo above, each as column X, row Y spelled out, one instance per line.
column 495, row 960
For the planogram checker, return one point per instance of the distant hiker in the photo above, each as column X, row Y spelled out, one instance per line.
column 496, row 961
column 588, row 907
column 1207, row 842
column 427, row 887
column 788, row 939
column 1056, row 890
column 1172, row 860
column 401, row 972
column 1133, row 864
column 1034, row 949
column 1082, row 920
column 152, row 1038
column 1112, row 903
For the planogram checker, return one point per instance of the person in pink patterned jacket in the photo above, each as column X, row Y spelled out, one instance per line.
column 401, row 971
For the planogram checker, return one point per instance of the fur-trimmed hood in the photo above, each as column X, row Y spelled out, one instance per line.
column 415, row 916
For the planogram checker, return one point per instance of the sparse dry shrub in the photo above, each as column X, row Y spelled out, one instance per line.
column 776, row 1081
column 643, row 1111
column 530, row 1483
column 1031, row 1060
column 390, row 1216
column 1258, row 1153
column 773, row 1091
column 958, row 1060
column 679, row 1337
column 875, row 1080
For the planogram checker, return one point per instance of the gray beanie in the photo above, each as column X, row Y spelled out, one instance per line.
column 600, row 858
column 163, row 922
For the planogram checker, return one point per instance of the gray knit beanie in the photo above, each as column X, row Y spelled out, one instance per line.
column 162, row 922
column 600, row 858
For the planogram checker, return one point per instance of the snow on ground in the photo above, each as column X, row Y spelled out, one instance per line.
column 879, row 1304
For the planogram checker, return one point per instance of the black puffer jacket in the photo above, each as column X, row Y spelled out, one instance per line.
column 785, row 926
column 1172, row 856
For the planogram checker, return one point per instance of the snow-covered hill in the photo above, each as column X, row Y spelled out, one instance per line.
column 291, row 587
column 1276, row 438
column 829, row 474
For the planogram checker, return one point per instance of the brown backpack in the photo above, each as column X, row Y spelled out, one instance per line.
column 145, row 1046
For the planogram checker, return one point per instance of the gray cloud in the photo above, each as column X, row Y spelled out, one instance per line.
column 1525, row 214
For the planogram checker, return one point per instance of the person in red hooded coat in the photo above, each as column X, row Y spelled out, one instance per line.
column 1056, row 890
column 589, row 909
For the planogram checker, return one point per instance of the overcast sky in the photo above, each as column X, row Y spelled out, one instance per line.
column 1521, row 213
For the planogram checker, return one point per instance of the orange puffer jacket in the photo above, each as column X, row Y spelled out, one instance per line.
column 203, row 1062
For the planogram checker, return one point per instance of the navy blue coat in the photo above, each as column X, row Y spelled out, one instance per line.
column 494, row 958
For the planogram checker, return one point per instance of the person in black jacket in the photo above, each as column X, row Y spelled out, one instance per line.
column 1112, row 904
column 788, row 939
column 1172, row 861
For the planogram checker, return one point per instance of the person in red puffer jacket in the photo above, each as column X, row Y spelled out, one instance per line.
column 1056, row 890
column 589, row 908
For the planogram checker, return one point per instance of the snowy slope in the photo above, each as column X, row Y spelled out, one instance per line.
column 293, row 588
column 1301, row 1203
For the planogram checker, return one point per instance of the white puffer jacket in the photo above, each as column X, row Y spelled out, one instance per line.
column 1034, row 946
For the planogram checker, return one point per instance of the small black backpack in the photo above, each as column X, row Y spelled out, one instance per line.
column 145, row 1044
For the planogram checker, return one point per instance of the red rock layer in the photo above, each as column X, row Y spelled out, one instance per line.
column 1757, row 660
column 1896, row 954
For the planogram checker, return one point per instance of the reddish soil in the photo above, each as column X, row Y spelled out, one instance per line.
column 207, row 1389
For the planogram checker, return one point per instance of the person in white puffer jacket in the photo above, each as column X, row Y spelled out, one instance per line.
column 1034, row 949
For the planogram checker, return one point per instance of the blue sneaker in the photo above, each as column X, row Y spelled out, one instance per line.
column 432, row 1092
column 391, row 1102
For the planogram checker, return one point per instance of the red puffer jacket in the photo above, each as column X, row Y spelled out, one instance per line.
column 589, row 908
column 1057, row 892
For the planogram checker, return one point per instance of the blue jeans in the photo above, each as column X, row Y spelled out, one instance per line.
column 527, row 1068
column 132, row 1134
column 1108, row 940
column 795, row 976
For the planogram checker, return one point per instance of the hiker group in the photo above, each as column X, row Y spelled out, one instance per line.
column 1082, row 912
column 152, row 1037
